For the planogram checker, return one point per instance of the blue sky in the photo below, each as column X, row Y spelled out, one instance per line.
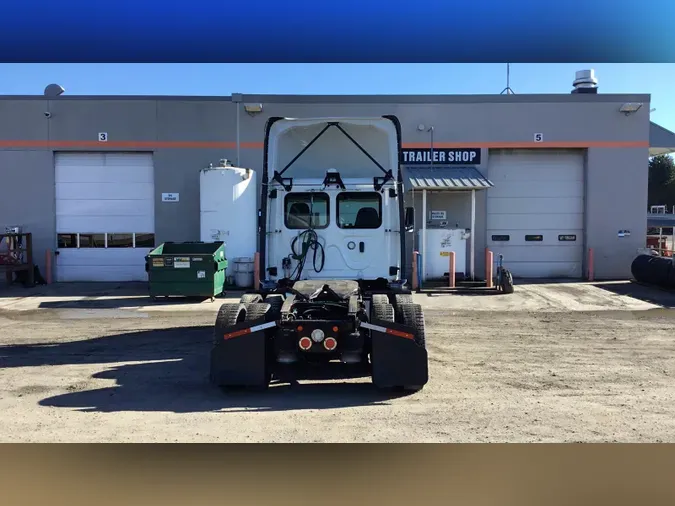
column 224, row 79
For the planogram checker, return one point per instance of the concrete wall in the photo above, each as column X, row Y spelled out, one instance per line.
column 616, row 199
column 187, row 133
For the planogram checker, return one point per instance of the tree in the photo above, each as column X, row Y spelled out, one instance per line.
column 662, row 181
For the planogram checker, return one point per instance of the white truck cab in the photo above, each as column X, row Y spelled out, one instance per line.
column 332, row 200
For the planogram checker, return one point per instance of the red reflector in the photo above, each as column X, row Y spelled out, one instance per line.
column 398, row 333
column 330, row 343
column 305, row 343
column 237, row 333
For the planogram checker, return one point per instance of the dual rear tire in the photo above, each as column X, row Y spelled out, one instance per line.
column 406, row 313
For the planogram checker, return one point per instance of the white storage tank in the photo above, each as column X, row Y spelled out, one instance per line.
column 228, row 213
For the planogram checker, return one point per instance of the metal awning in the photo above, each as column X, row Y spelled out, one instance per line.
column 661, row 141
column 660, row 220
column 439, row 178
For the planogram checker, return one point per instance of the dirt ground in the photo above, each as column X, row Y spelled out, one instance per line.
column 98, row 373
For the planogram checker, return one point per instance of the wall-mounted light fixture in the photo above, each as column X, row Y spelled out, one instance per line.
column 630, row 108
column 253, row 108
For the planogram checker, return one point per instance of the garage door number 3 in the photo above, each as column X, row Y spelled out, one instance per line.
column 103, row 137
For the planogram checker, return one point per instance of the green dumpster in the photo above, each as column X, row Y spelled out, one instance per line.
column 187, row 269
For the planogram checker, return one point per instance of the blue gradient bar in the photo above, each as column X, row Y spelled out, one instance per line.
column 337, row 31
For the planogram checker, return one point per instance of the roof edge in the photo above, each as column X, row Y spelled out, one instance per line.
column 421, row 99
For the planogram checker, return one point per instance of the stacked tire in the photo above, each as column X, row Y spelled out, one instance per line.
column 654, row 270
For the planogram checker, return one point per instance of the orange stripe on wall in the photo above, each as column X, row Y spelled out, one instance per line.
column 516, row 145
column 252, row 145
column 119, row 144
column 259, row 145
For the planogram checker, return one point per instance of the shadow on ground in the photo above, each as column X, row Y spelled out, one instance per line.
column 651, row 295
column 173, row 376
column 127, row 302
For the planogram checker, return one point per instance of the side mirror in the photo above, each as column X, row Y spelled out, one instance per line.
column 409, row 219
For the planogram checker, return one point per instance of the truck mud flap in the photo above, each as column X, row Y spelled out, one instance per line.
column 397, row 359
column 239, row 355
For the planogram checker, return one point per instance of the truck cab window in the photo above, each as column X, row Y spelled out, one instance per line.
column 359, row 210
column 306, row 210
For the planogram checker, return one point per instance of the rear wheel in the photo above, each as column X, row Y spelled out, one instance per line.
column 380, row 298
column 228, row 315
column 401, row 299
column 275, row 301
column 413, row 316
column 383, row 312
column 249, row 298
column 257, row 311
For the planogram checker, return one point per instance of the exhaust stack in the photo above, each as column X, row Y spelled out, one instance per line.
column 585, row 82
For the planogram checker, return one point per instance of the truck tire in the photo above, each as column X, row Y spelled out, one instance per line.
column 384, row 312
column 380, row 298
column 250, row 298
column 413, row 316
column 256, row 310
column 228, row 315
column 275, row 301
column 507, row 282
column 401, row 299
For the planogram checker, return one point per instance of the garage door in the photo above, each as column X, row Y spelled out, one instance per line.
column 105, row 218
column 535, row 212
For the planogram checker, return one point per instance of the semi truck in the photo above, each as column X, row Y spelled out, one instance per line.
column 332, row 254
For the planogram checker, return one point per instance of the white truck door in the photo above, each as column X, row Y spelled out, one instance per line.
column 356, row 241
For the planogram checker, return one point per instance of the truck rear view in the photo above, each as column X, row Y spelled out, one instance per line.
column 332, row 250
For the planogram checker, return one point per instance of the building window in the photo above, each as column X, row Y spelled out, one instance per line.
column 361, row 210
column 67, row 241
column 92, row 241
column 120, row 240
column 306, row 210
column 116, row 240
column 534, row 238
column 145, row 240
column 501, row 238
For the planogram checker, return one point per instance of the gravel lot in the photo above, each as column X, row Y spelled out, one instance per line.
column 110, row 372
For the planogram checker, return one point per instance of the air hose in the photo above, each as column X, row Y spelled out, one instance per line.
column 308, row 239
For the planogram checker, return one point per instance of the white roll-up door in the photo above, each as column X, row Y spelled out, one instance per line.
column 105, row 216
column 535, row 212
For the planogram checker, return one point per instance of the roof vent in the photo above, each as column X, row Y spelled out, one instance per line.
column 585, row 82
column 54, row 90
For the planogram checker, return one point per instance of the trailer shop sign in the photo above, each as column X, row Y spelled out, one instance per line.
column 445, row 156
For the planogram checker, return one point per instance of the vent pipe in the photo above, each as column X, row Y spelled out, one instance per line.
column 585, row 82
column 53, row 90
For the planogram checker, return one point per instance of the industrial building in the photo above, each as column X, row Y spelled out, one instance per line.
column 541, row 179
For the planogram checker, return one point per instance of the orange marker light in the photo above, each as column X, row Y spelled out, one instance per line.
column 299, row 328
column 336, row 328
